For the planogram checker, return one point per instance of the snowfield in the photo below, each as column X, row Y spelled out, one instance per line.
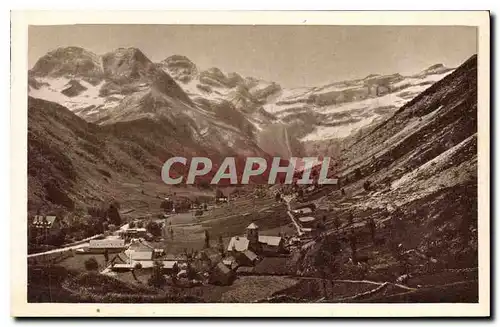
column 342, row 119
column 51, row 89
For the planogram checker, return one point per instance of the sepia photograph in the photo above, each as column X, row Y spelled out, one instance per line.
column 302, row 162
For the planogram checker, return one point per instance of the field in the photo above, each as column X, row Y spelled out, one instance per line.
column 77, row 261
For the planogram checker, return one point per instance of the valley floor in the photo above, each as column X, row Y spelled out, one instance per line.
column 304, row 275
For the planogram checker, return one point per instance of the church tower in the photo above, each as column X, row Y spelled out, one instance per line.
column 253, row 236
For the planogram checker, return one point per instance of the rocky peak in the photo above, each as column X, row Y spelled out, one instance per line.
column 125, row 64
column 434, row 69
column 180, row 68
column 69, row 62
column 436, row 66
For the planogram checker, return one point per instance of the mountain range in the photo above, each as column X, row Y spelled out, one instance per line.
column 102, row 117
column 124, row 85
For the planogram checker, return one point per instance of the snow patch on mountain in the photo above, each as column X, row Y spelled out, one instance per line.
column 51, row 89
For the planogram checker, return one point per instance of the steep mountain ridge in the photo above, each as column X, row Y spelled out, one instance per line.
column 227, row 94
column 415, row 175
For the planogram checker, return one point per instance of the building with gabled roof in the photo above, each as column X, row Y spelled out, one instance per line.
column 46, row 226
column 246, row 258
column 106, row 245
column 255, row 242
column 229, row 261
column 140, row 245
column 45, row 222
column 238, row 244
column 221, row 275
column 140, row 256
column 307, row 221
column 140, row 251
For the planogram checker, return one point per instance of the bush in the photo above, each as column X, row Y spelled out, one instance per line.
column 358, row 174
column 219, row 194
column 157, row 279
column 131, row 224
column 114, row 215
column 167, row 205
column 203, row 184
column 96, row 212
column 91, row 264
column 154, row 228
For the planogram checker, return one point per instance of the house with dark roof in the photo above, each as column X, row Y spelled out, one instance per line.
column 168, row 267
column 210, row 254
column 299, row 207
column 221, row 275
column 244, row 270
column 134, row 233
column 230, row 262
column 307, row 222
column 246, row 258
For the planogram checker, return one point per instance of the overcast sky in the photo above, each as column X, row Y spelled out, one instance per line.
column 293, row 56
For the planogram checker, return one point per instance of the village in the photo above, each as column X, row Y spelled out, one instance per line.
column 279, row 243
column 181, row 249
column 133, row 249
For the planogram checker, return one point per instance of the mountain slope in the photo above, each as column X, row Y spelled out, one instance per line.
column 73, row 164
column 415, row 175
column 71, row 161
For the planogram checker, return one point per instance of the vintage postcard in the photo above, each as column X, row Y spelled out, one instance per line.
column 308, row 164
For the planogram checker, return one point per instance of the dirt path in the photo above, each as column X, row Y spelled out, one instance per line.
column 76, row 246
column 351, row 281
column 63, row 249
column 288, row 199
